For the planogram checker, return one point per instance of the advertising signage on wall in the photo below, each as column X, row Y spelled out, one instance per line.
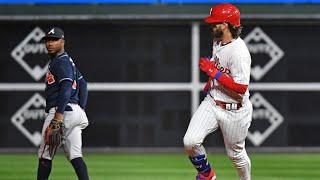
column 154, row 1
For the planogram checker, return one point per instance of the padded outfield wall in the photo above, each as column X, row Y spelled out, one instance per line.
column 144, row 82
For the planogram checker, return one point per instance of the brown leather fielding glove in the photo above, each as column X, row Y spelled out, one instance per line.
column 54, row 136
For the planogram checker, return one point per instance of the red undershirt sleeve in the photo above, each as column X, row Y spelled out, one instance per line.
column 228, row 82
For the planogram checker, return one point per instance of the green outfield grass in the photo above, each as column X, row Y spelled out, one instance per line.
column 163, row 167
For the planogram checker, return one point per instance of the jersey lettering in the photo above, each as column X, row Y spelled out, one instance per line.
column 50, row 78
column 220, row 68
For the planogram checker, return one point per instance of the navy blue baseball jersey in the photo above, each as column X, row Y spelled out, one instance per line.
column 61, row 69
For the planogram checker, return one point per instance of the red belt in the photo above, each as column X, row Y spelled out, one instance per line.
column 228, row 106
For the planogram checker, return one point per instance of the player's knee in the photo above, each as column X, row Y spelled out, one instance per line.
column 189, row 143
column 237, row 157
column 234, row 151
column 74, row 156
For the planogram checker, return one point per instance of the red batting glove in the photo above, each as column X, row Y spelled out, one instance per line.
column 207, row 66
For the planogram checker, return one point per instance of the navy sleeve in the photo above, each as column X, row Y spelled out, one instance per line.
column 64, row 70
column 65, row 89
column 83, row 93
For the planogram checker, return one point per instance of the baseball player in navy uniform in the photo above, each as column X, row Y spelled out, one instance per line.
column 227, row 105
column 66, row 97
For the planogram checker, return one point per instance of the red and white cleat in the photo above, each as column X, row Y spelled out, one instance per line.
column 210, row 176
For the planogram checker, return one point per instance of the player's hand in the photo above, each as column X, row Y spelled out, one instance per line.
column 208, row 67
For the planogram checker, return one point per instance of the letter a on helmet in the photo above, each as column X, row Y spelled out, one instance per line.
column 224, row 13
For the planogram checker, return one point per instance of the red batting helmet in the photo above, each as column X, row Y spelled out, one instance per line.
column 224, row 13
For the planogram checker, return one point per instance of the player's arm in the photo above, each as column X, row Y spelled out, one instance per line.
column 227, row 81
column 83, row 92
column 65, row 89
column 64, row 71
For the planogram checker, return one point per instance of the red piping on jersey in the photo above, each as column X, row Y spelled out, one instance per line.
column 230, row 84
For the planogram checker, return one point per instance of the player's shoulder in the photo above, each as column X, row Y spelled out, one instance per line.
column 64, row 59
column 240, row 42
column 61, row 61
column 241, row 48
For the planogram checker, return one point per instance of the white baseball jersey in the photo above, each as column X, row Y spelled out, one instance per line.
column 234, row 60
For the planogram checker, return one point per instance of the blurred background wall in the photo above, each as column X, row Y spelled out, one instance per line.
column 140, row 59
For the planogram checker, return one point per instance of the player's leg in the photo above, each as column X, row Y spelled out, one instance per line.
column 73, row 151
column 202, row 123
column 234, row 128
column 45, row 162
column 74, row 121
column 44, row 169
column 80, row 168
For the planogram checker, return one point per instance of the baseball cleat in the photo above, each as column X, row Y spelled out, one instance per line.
column 211, row 176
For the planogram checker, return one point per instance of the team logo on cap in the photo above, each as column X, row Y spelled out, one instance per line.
column 266, row 51
column 51, row 31
column 265, row 120
column 27, row 118
column 30, row 54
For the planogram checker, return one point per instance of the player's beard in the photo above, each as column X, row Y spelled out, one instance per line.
column 217, row 35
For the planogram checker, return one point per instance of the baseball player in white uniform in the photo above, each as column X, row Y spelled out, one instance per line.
column 227, row 105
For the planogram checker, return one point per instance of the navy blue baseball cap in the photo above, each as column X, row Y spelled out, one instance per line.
column 54, row 33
